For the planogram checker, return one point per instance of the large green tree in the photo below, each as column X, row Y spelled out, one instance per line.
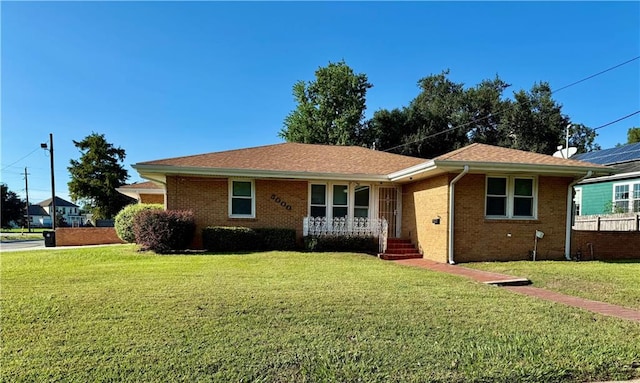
column 330, row 109
column 534, row 121
column 97, row 174
column 583, row 138
column 446, row 115
column 13, row 207
column 443, row 116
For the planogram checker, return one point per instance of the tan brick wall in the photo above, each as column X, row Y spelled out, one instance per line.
column 152, row 198
column 208, row 198
column 80, row 236
column 480, row 239
column 422, row 201
column 606, row 245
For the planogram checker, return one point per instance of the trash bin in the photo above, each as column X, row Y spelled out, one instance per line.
column 49, row 238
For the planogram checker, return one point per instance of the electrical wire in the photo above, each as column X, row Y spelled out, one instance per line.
column 13, row 163
column 619, row 119
column 502, row 111
column 594, row 75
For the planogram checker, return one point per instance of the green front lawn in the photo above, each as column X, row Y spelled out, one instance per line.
column 112, row 314
column 616, row 282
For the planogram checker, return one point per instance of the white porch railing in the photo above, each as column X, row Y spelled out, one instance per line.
column 608, row 222
column 360, row 227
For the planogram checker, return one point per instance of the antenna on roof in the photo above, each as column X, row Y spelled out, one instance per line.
column 569, row 151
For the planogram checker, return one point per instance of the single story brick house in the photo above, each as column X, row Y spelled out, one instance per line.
column 476, row 203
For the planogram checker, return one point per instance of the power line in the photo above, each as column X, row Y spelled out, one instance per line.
column 13, row 163
column 619, row 119
column 444, row 131
column 502, row 111
column 597, row 74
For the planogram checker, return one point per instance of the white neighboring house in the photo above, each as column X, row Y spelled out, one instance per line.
column 39, row 217
column 70, row 211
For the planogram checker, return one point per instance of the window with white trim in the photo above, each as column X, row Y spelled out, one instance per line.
column 626, row 197
column 361, row 202
column 242, row 199
column 510, row 197
column 337, row 200
column 318, row 207
column 340, row 201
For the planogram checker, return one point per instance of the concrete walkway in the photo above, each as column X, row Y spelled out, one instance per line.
column 486, row 276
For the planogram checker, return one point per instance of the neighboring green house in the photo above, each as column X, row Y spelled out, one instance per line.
column 617, row 193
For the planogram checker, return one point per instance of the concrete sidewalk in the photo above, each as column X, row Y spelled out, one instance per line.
column 496, row 278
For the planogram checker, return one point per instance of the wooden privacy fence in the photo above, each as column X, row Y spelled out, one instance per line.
column 609, row 222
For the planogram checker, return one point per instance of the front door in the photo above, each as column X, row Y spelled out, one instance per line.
column 388, row 208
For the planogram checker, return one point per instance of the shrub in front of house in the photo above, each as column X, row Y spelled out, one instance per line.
column 233, row 239
column 342, row 243
column 220, row 239
column 277, row 238
column 164, row 231
column 124, row 220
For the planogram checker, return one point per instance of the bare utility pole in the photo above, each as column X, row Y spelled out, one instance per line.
column 26, row 189
column 53, row 182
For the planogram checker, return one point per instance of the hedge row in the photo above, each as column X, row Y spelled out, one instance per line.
column 233, row 239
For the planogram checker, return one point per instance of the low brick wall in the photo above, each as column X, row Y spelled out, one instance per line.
column 607, row 245
column 80, row 236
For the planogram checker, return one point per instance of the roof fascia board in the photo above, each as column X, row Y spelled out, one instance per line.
column 147, row 171
column 140, row 191
column 532, row 168
column 614, row 177
column 412, row 171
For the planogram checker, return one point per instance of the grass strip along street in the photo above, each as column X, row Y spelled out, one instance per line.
column 111, row 313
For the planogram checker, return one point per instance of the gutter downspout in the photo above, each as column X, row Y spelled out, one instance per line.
column 452, row 189
column 567, row 238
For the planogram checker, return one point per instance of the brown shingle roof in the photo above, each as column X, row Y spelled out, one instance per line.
column 495, row 154
column 295, row 157
column 141, row 185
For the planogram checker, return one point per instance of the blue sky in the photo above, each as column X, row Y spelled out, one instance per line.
column 164, row 79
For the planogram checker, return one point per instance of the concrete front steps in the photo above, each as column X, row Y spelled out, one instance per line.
column 398, row 249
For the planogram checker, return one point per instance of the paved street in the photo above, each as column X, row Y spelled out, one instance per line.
column 21, row 245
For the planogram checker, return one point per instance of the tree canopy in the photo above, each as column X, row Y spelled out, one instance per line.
column 97, row 174
column 13, row 207
column 330, row 109
column 633, row 135
column 444, row 115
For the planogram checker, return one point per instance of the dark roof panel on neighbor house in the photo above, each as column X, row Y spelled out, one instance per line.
column 624, row 153
column 59, row 203
column 37, row 210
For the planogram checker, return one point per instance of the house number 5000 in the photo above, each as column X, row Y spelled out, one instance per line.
column 280, row 202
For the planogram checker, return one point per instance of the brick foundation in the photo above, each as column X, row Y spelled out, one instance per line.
column 80, row 236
